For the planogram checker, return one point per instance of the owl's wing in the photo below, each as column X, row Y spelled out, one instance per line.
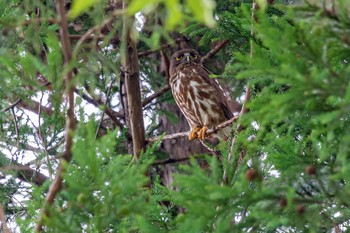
column 224, row 100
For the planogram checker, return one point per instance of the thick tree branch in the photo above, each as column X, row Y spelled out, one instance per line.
column 185, row 134
column 31, row 105
column 25, row 173
column 216, row 49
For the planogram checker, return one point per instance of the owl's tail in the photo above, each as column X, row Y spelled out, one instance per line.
column 224, row 133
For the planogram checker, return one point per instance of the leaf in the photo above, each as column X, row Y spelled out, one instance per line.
column 202, row 10
column 174, row 16
column 80, row 6
column 138, row 5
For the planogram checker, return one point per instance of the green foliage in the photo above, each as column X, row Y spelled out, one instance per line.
column 202, row 10
column 79, row 6
column 290, row 169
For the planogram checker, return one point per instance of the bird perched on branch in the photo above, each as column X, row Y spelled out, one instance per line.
column 200, row 98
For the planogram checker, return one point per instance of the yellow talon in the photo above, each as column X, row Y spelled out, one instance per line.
column 193, row 133
column 201, row 134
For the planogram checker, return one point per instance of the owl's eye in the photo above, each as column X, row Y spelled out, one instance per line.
column 178, row 58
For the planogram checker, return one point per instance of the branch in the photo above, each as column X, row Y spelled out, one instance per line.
column 216, row 49
column 171, row 160
column 12, row 105
column 56, row 185
column 164, row 46
column 26, row 173
column 214, row 152
column 185, row 134
column 104, row 110
column 244, row 107
column 32, row 106
column 113, row 115
column 108, row 20
column 158, row 93
column 5, row 228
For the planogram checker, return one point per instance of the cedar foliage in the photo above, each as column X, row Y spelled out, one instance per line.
column 293, row 140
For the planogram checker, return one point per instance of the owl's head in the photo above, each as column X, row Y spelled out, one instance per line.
column 184, row 56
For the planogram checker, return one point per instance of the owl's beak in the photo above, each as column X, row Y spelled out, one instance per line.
column 187, row 57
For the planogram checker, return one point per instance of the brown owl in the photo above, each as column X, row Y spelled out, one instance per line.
column 200, row 98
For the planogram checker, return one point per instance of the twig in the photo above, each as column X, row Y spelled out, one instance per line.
column 56, row 185
column 40, row 20
column 158, row 93
column 214, row 152
column 90, row 37
column 244, row 108
column 5, row 228
column 33, row 106
column 171, row 160
column 113, row 115
column 16, row 127
column 84, row 37
column 214, row 50
column 42, row 138
column 104, row 110
column 12, row 105
column 239, row 126
column 185, row 134
column 164, row 46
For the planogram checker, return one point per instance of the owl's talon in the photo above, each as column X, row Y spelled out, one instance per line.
column 201, row 134
column 193, row 133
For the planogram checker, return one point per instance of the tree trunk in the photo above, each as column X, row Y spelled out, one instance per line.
column 131, row 69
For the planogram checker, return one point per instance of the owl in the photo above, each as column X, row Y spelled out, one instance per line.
column 200, row 98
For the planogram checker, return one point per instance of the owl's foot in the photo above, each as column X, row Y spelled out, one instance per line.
column 193, row 133
column 202, row 132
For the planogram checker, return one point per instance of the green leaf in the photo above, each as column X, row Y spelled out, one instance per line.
column 79, row 6
column 138, row 5
column 202, row 10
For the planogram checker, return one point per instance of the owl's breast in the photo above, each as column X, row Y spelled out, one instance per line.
column 196, row 98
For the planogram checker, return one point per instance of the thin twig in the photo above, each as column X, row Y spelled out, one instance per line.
column 214, row 152
column 244, row 108
column 16, row 127
column 164, row 46
column 239, row 126
column 156, row 94
column 185, row 134
column 103, row 112
column 5, row 228
column 216, row 49
column 108, row 20
column 12, row 105
column 113, row 115
column 42, row 138
column 33, row 106
column 171, row 160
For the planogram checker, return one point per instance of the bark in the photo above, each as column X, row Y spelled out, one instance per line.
column 22, row 172
column 131, row 69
